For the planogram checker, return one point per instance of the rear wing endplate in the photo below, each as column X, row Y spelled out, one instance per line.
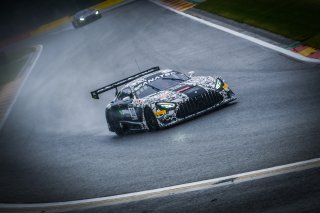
column 95, row 93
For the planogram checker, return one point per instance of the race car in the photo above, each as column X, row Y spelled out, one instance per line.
column 158, row 98
column 85, row 16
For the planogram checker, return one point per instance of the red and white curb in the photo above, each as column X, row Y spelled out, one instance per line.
column 241, row 35
column 180, row 5
column 161, row 192
column 307, row 51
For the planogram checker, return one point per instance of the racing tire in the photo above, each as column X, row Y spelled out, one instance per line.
column 119, row 131
column 75, row 25
column 151, row 119
column 114, row 125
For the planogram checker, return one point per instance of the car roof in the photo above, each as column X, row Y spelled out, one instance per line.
column 83, row 12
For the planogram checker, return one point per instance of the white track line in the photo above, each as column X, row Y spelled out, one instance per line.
column 161, row 192
column 241, row 35
column 29, row 68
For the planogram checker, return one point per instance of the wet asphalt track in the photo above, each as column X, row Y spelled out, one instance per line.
column 55, row 145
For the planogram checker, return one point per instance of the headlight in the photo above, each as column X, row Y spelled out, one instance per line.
column 97, row 12
column 81, row 19
column 218, row 83
column 166, row 106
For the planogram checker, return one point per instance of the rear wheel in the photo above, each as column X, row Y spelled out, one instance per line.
column 75, row 24
column 114, row 122
column 151, row 119
column 115, row 126
column 119, row 131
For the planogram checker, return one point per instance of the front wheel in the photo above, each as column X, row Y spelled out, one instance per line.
column 75, row 24
column 119, row 131
column 151, row 119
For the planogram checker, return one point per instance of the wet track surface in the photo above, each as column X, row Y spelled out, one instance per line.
column 297, row 192
column 55, row 145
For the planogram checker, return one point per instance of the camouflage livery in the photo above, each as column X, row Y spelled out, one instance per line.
column 163, row 98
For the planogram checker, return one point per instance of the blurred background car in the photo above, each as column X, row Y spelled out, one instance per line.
column 84, row 17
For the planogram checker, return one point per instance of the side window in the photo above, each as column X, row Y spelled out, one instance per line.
column 125, row 92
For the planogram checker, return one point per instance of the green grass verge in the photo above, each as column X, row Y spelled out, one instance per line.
column 11, row 63
column 295, row 19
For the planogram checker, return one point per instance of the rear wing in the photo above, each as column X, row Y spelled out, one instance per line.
column 95, row 94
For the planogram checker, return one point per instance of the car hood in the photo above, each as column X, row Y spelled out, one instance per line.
column 181, row 92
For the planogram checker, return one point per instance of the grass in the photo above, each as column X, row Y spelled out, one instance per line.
column 11, row 63
column 295, row 19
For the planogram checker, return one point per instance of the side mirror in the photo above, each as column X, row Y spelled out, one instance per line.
column 191, row 73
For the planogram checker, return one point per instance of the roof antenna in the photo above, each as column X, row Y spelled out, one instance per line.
column 137, row 64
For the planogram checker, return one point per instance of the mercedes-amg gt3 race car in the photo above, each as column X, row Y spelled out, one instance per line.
column 85, row 16
column 155, row 98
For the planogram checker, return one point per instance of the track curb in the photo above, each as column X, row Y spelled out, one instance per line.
column 284, row 51
column 161, row 192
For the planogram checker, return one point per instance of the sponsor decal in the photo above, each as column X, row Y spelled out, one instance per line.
column 159, row 76
column 143, row 82
column 133, row 113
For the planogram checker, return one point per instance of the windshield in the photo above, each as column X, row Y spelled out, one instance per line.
column 83, row 12
column 158, row 82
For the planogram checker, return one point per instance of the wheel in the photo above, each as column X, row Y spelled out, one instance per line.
column 75, row 25
column 113, row 122
column 151, row 119
column 119, row 131
column 117, row 128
